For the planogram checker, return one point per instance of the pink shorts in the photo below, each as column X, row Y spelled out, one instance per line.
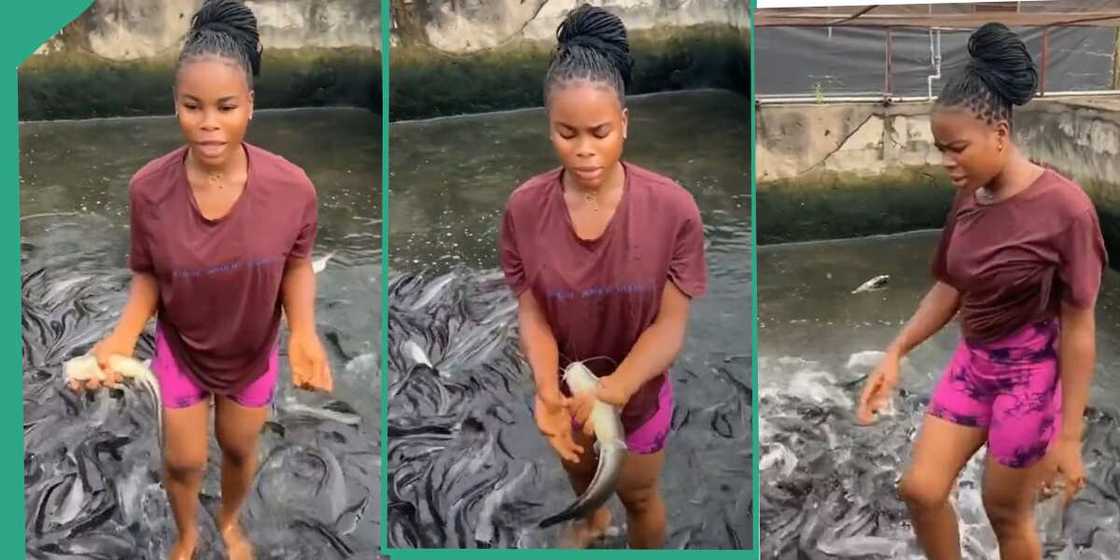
column 1012, row 388
column 650, row 436
column 179, row 390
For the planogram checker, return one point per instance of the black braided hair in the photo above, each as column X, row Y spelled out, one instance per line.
column 593, row 47
column 999, row 75
column 225, row 28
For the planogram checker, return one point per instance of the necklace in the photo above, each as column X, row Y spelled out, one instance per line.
column 214, row 178
column 592, row 200
column 985, row 196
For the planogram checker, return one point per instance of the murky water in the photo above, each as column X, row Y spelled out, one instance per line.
column 467, row 466
column 828, row 485
column 92, row 471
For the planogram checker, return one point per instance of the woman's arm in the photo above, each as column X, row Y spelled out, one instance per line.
column 936, row 309
column 539, row 347
column 298, row 296
column 652, row 354
column 657, row 346
column 143, row 300
column 551, row 410
column 1076, row 358
column 310, row 367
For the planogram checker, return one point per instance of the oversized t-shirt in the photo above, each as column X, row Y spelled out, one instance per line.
column 1015, row 261
column 219, row 280
column 600, row 295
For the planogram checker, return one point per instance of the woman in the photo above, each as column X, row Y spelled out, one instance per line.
column 221, row 235
column 603, row 257
column 1020, row 258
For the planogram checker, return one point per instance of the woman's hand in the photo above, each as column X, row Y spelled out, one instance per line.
column 555, row 423
column 310, row 368
column 108, row 346
column 879, row 389
column 1069, row 469
column 613, row 389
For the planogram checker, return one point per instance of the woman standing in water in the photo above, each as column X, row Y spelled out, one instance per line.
column 221, row 235
column 603, row 257
column 1021, row 258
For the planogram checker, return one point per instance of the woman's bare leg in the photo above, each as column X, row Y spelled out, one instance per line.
column 186, row 435
column 940, row 452
column 238, row 430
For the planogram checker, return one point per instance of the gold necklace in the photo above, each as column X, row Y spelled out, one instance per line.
column 215, row 179
column 592, row 200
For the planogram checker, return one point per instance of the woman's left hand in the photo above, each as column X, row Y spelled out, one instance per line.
column 613, row 390
column 1067, row 458
column 310, row 368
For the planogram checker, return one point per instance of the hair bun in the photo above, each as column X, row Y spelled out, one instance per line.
column 1002, row 61
column 232, row 18
column 597, row 29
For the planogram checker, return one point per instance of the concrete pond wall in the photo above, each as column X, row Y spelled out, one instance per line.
column 469, row 56
column 119, row 54
column 852, row 169
column 448, row 56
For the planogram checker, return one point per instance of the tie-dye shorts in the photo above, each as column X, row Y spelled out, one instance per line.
column 649, row 437
column 1011, row 387
column 179, row 390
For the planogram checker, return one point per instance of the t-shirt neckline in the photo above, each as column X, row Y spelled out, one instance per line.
column 1017, row 196
column 626, row 174
column 236, row 204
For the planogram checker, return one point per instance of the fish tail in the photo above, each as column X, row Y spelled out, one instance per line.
column 556, row 519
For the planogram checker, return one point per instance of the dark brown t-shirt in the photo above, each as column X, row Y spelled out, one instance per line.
column 600, row 295
column 1016, row 261
column 219, row 280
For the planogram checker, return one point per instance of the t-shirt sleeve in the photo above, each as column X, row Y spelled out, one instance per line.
column 1083, row 258
column 510, row 254
column 687, row 267
column 308, row 227
column 939, row 266
column 139, row 254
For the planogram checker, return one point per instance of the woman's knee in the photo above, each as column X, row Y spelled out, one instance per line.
column 185, row 465
column 922, row 493
column 1007, row 513
column 237, row 450
column 640, row 500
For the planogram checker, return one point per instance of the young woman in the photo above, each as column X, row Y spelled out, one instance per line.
column 1020, row 259
column 603, row 257
column 222, row 233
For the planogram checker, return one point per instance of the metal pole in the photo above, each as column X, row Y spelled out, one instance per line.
column 871, row 98
column 1116, row 61
column 887, row 74
column 1045, row 58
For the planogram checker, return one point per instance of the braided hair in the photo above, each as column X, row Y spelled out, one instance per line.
column 999, row 75
column 228, row 29
column 592, row 46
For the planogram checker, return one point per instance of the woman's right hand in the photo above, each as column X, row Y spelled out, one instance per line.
column 108, row 346
column 555, row 422
column 879, row 389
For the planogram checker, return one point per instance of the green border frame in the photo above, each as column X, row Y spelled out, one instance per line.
column 466, row 553
column 26, row 27
column 755, row 414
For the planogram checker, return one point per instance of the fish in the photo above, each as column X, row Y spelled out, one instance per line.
column 416, row 354
column 319, row 264
column 609, row 444
column 84, row 368
column 1049, row 511
column 873, row 285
